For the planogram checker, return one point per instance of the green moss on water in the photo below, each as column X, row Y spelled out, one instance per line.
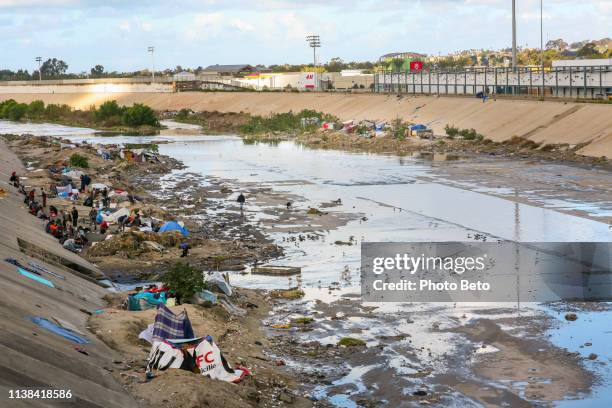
column 351, row 342
column 303, row 320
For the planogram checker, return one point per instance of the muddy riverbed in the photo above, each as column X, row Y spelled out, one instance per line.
column 442, row 354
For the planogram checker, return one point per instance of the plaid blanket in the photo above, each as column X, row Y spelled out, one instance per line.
column 170, row 326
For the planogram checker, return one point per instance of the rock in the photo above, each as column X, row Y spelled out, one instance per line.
column 420, row 393
column 592, row 356
column 286, row 397
column 571, row 317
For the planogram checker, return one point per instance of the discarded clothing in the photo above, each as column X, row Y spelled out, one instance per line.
column 36, row 278
column 138, row 304
column 170, row 326
column 62, row 331
column 147, row 334
column 40, row 268
column 204, row 357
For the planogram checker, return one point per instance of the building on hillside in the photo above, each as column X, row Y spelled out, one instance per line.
column 402, row 61
column 229, row 70
column 184, row 76
column 402, row 55
column 599, row 62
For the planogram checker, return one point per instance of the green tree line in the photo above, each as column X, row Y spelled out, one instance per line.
column 109, row 114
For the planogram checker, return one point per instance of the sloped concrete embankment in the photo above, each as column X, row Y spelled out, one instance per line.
column 543, row 122
column 29, row 355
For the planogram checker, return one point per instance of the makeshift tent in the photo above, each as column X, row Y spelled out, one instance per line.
column 170, row 326
column 418, row 127
column 64, row 189
column 114, row 217
column 201, row 354
column 174, row 226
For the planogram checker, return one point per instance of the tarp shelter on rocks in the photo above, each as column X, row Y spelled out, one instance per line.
column 73, row 174
column 98, row 186
column 64, row 189
column 418, row 127
column 174, row 226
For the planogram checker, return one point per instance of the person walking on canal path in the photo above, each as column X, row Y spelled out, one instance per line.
column 75, row 216
column 93, row 214
column 241, row 200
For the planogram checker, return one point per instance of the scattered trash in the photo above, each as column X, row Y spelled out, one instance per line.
column 276, row 270
column 36, row 278
column 62, row 331
column 45, row 270
column 216, row 281
column 231, row 308
column 571, row 317
column 200, row 354
column 288, row 294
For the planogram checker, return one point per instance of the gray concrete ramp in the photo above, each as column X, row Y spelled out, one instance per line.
column 31, row 356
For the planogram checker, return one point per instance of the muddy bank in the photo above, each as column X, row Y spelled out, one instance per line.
column 351, row 353
column 546, row 122
column 217, row 240
column 240, row 338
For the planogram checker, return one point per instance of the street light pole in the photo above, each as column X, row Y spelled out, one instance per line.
column 39, row 59
column 151, row 49
column 542, row 42
column 514, row 62
column 314, row 41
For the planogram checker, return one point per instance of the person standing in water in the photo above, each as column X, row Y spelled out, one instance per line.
column 241, row 200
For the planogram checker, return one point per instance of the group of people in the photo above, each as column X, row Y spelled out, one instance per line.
column 63, row 225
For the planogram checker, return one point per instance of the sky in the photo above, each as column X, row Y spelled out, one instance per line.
column 190, row 33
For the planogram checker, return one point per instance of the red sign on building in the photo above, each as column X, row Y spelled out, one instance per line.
column 416, row 66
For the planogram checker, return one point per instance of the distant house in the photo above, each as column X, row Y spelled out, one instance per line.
column 184, row 76
column 233, row 70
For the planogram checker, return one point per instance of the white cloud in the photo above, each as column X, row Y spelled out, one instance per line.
column 241, row 25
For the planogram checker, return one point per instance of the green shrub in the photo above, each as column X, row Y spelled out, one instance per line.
column 139, row 115
column 76, row 160
column 36, row 109
column 470, row 134
column 183, row 280
column 17, row 111
column 12, row 110
column 451, row 131
column 284, row 122
column 183, row 113
column 107, row 110
column 54, row 112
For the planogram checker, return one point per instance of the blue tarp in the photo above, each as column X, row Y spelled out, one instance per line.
column 65, row 333
column 418, row 127
column 174, row 226
column 145, row 300
column 36, row 278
